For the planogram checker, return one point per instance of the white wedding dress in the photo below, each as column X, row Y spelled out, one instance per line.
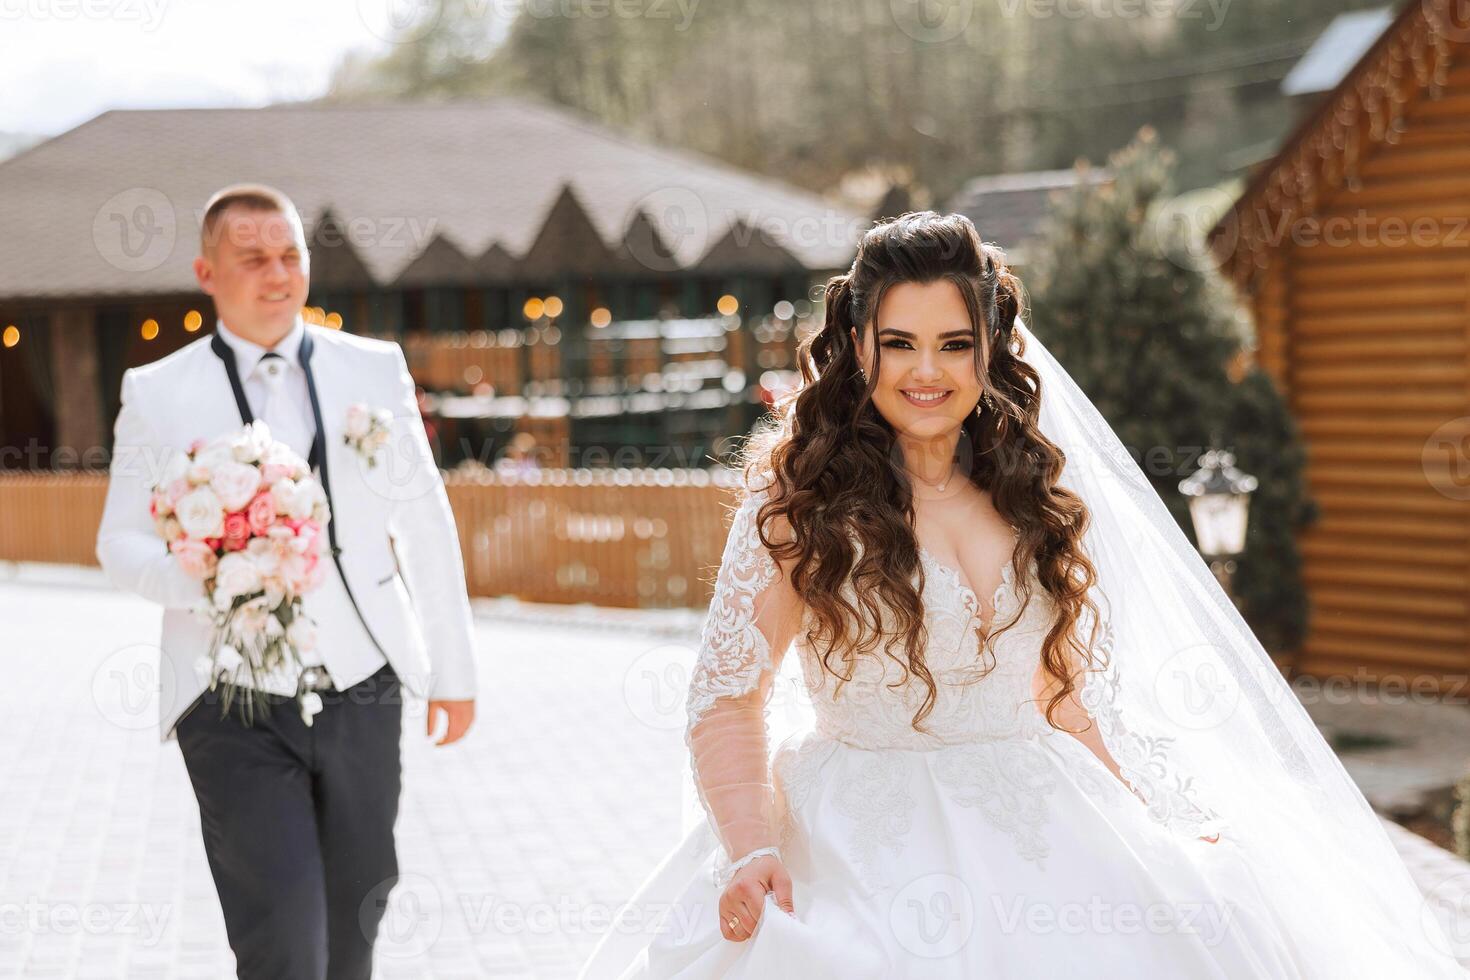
column 994, row 847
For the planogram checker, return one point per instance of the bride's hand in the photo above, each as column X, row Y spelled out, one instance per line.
column 1211, row 840
column 745, row 897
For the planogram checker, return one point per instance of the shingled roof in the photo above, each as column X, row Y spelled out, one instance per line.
column 1010, row 209
column 417, row 192
column 1410, row 59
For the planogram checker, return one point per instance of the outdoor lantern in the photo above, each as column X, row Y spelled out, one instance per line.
column 1219, row 506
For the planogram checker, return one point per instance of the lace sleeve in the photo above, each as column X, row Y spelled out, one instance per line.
column 752, row 619
column 1144, row 760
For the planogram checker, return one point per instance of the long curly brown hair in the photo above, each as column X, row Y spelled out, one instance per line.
column 833, row 468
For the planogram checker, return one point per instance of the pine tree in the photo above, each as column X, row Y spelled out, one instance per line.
column 1157, row 342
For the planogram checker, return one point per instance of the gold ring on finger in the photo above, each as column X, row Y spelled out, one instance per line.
column 734, row 923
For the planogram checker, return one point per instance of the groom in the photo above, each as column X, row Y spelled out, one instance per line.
column 298, row 818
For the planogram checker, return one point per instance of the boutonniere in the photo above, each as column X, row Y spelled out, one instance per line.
column 367, row 431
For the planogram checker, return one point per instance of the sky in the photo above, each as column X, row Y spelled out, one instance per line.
column 64, row 61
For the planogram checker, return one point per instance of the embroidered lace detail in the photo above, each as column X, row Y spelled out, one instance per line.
column 725, row 872
column 733, row 652
column 979, row 695
column 876, row 798
column 796, row 770
column 734, row 657
column 1008, row 782
column 968, row 598
column 1142, row 759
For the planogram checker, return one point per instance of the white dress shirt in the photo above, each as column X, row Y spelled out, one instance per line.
column 276, row 387
column 278, row 395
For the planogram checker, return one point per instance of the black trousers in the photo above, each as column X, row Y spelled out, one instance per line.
column 298, row 825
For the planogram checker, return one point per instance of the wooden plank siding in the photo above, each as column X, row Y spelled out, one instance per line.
column 1369, row 336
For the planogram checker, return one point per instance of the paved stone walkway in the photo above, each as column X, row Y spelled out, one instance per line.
column 517, row 845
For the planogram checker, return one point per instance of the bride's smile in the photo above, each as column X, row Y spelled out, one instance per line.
column 936, row 453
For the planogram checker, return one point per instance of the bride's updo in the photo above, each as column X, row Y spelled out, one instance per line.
column 836, row 475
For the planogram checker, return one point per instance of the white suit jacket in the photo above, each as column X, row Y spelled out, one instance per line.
column 400, row 555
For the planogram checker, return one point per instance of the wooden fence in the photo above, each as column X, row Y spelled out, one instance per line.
column 51, row 517
column 631, row 538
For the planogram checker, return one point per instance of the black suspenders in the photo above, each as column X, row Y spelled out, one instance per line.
column 317, row 458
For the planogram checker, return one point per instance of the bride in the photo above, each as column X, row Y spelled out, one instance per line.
column 1041, row 741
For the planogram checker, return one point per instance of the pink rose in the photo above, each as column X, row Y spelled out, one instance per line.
column 195, row 557
column 261, row 512
column 237, row 530
column 197, row 445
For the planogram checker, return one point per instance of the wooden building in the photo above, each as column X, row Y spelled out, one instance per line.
column 498, row 218
column 1352, row 248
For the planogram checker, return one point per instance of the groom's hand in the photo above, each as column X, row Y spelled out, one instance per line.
column 458, row 715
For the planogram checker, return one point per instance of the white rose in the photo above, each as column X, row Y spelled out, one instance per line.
column 383, row 417
column 280, row 454
column 229, row 659
column 264, row 554
column 236, row 484
column 252, row 442
column 302, row 634
column 212, row 455
column 304, row 501
column 300, row 499
column 236, row 575
column 318, row 495
column 282, row 490
column 358, row 421
column 201, row 514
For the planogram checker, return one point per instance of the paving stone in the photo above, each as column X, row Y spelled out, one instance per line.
column 512, row 844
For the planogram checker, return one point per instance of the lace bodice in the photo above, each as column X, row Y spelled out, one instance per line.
column 978, row 698
column 982, row 703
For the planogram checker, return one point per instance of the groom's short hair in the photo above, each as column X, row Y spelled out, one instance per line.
column 251, row 197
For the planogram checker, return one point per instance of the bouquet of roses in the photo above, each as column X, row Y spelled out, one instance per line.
column 244, row 516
